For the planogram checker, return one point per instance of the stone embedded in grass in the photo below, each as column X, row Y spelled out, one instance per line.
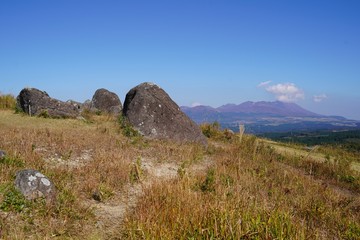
column 33, row 184
column 154, row 114
column 2, row 154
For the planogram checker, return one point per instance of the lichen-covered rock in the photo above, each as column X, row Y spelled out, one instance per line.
column 106, row 101
column 35, row 102
column 151, row 111
column 2, row 154
column 33, row 184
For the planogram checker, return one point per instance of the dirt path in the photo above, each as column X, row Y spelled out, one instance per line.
column 111, row 214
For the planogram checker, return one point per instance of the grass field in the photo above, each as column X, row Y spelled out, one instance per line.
column 112, row 185
column 310, row 153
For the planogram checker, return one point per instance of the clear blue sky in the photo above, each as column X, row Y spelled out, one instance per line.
column 200, row 51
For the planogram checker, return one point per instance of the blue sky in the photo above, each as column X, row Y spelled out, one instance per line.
column 200, row 51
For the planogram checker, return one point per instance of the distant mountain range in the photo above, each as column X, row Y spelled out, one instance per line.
column 263, row 117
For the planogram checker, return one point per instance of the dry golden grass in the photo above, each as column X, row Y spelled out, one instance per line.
column 163, row 190
column 33, row 141
column 241, row 198
column 7, row 101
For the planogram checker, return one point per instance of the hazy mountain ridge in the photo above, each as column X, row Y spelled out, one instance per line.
column 264, row 116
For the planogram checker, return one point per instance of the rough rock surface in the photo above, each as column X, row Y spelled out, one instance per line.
column 151, row 111
column 32, row 184
column 106, row 101
column 75, row 104
column 35, row 102
column 2, row 154
column 86, row 105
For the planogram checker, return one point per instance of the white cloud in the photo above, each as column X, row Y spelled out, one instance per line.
column 263, row 84
column 320, row 98
column 195, row 104
column 286, row 92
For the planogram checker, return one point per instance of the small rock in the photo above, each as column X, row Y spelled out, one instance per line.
column 96, row 195
column 2, row 154
column 33, row 184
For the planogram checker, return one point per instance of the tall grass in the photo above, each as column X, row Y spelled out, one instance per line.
column 243, row 197
column 7, row 101
column 336, row 167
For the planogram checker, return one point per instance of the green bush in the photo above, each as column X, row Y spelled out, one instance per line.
column 213, row 131
column 126, row 128
column 44, row 114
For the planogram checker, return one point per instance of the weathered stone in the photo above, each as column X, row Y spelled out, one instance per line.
column 35, row 102
column 106, row 101
column 2, row 154
column 151, row 111
column 87, row 105
column 32, row 184
column 75, row 104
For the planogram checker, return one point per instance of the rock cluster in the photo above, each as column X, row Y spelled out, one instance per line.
column 147, row 107
column 35, row 102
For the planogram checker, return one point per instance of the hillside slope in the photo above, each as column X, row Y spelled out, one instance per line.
column 110, row 186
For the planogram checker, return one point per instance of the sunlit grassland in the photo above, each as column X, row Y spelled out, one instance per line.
column 249, row 191
column 246, row 196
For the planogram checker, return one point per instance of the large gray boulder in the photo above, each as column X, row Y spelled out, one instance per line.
column 106, row 101
column 35, row 102
column 151, row 111
column 33, row 184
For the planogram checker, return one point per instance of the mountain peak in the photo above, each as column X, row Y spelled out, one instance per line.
column 264, row 116
column 268, row 108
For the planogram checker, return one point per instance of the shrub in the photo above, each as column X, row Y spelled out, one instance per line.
column 213, row 131
column 44, row 114
column 126, row 128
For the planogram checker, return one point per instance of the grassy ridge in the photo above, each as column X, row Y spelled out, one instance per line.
column 348, row 140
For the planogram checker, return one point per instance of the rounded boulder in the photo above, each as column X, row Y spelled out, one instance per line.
column 151, row 111
column 106, row 101
column 33, row 184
